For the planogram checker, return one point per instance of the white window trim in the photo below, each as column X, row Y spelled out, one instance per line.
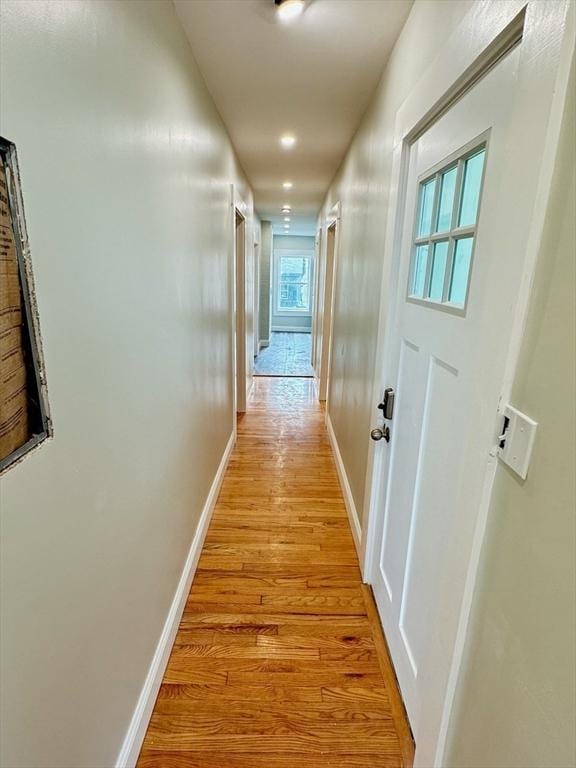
column 277, row 311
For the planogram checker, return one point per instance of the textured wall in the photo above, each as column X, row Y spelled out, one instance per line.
column 126, row 172
column 519, row 679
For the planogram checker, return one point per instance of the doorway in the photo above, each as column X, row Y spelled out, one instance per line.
column 256, row 301
column 244, row 315
column 316, row 299
column 324, row 310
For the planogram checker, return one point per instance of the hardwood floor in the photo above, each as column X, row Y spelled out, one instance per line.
column 279, row 661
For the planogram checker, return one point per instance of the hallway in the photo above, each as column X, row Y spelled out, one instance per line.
column 287, row 383
column 279, row 660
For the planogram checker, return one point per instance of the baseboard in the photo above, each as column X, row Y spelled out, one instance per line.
column 346, row 490
column 263, row 344
column 290, row 329
column 141, row 717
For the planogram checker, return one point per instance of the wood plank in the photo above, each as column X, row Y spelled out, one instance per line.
column 322, row 711
column 324, row 679
column 169, row 759
column 329, row 643
column 245, row 693
column 364, row 738
column 242, row 651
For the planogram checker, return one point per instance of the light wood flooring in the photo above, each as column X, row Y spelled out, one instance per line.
column 279, row 661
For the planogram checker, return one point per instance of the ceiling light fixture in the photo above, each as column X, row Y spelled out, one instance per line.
column 287, row 140
column 287, row 185
column 286, row 218
column 289, row 9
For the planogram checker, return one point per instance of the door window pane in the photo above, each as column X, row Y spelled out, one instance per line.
column 419, row 275
column 460, row 270
column 426, row 206
column 294, row 283
column 442, row 253
column 438, row 270
column 471, row 189
column 447, row 187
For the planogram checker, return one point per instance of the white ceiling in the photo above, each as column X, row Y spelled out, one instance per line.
column 312, row 77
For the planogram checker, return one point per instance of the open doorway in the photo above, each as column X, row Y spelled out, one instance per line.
column 243, row 330
column 324, row 309
column 291, row 270
column 256, row 302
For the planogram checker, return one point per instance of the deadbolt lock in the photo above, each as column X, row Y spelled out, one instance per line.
column 387, row 404
column 378, row 434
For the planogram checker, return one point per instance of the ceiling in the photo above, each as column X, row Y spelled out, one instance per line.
column 312, row 77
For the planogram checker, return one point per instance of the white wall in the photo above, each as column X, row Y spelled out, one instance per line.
column 519, row 677
column 126, row 173
column 301, row 321
column 363, row 188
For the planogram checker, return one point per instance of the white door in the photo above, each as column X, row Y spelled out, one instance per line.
column 461, row 260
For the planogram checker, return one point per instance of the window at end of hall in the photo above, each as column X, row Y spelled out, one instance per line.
column 294, row 283
column 446, row 218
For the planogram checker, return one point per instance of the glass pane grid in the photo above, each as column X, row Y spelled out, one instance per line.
column 447, row 214
column 294, row 283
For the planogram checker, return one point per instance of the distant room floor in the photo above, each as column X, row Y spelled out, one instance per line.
column 289, row 354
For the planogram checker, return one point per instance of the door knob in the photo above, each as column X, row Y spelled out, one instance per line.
column 378, row 434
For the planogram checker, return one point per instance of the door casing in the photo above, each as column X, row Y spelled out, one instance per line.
column 242, row 314
column 324, row 310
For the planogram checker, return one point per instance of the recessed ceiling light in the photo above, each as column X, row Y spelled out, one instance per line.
column 287, row 140
column 286, row 218
column 287, row 185
column 289, row 9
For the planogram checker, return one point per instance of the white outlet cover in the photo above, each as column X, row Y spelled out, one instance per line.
column 519, row 441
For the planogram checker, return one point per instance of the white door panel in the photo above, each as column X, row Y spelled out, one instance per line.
column 448, row 373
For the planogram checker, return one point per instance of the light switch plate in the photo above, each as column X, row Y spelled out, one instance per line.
column 518, row 440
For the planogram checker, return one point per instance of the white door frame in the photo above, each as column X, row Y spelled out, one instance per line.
column 544, row 68
column 316, row 296
column 328, row 289
column 256, row 298
column 239, row 347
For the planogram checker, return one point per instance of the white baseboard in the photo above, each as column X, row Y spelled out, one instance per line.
column 291, row 329
column 141, row 717
column 346, row 490
column 263, row 343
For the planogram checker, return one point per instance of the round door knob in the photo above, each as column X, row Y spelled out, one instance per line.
column 378, row 434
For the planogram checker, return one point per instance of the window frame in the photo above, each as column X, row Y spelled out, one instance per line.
column 454, row 233
column 31, row 326
column 291, row 254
